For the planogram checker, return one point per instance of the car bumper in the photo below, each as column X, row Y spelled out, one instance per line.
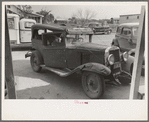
column 28, row 54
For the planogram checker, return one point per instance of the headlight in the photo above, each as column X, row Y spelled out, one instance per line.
column 111, row 59
column 125, row 56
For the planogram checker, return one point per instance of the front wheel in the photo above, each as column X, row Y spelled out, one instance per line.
column 93, row 84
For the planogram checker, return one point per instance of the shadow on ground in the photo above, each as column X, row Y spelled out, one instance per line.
column 60, row 88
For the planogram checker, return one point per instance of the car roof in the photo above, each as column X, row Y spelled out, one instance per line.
column 47, row 26
column 85, row 31
column 129, row 25
column 59, row 28
column 93, row 23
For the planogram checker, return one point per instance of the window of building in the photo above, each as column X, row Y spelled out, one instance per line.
column 11, row 24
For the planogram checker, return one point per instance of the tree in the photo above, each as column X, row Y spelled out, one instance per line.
column 84, row 16
column 73, row 20
column 47, row 18
column 25, row 9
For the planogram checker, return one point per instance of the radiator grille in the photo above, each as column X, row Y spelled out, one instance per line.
column 116, row 54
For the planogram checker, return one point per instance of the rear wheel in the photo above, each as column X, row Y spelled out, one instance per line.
column 35, row 61
column 93, row 84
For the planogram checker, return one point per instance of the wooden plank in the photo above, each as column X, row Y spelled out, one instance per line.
column 9, row 77
column 139, row 54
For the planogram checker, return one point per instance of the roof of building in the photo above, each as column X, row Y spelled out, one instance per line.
column 33, row 13
column 130, row 15
column 12, row 15
column 27, row 20
column 135, row 24
column 61, row 19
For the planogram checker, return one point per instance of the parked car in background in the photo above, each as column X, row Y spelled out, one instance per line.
column 64, row 51
column 126, row 39
column 99, row 29
column 126, row 36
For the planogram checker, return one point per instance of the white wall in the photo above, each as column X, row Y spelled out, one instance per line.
column 129, row 18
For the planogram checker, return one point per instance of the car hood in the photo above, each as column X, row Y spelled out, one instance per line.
column 91, row 46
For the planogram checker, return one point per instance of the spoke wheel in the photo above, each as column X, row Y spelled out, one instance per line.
column 93, row 84
column 35, row 62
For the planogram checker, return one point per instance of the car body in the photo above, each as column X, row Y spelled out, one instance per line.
column 64, row 51
column 99, row 29
column 126, row 36
column 126, row 39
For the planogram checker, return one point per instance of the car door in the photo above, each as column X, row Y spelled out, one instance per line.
column 54, row 54
column 125, row 39
column 73, row 58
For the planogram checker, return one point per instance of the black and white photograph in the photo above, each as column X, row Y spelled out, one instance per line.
column 63, row 59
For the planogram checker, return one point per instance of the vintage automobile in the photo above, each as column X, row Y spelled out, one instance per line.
column 99, row 29
column 126, row 36
column 126, row 39
column 65, row 51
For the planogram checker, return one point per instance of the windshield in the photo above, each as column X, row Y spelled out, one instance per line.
column 135, row 31
column 73, row 40
column 134, row 34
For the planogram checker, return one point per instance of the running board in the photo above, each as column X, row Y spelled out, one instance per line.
column 62, row 73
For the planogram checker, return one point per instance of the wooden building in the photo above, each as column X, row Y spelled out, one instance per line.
column 129, row 18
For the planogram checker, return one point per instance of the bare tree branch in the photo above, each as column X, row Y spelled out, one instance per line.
column 83, row 17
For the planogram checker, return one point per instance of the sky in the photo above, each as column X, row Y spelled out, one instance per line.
column 103, row 10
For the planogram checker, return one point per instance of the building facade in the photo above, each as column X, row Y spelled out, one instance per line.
column 129, row 18
column 13, row 9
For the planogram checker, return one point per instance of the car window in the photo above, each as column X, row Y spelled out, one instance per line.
column 37, row 34
column 52, row 39
column 135, row 31
column 49, row 31
column 126, row 31
column 72, row 40
column 40, row 32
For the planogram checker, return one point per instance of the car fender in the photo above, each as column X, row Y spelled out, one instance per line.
column 97, row 68
column 132, row 52
column 115, row 42
column 92, row 67
column 126, row 66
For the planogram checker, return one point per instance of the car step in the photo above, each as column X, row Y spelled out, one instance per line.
column 60, row 72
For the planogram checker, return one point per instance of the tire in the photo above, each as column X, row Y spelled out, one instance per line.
column 93, row 84
column 36, row 61
column 108, row 32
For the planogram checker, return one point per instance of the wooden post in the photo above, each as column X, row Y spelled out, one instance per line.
column 9, row 77
column 90, row 38
column 139, row 56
